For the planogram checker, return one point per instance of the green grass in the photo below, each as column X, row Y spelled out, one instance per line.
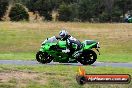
column 115, row 57
column 17, row 56
column 21, row 41
column 55, row 76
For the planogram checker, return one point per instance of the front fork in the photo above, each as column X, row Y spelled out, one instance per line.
column 98, row 50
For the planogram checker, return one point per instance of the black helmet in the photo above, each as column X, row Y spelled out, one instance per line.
column 63, row 34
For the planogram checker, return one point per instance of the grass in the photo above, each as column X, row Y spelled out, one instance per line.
column 126, row 57
column 17, row 56
column 55, row 76
column 22, row 40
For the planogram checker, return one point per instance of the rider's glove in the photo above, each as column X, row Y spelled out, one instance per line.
column 66, row 51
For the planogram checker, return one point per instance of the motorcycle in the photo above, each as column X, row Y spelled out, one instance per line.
column 51, row 49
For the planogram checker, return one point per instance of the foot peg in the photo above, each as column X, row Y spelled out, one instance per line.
column 66, row 51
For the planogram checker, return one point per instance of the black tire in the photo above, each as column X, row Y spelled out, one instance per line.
column 43, row 57
column 87, row 57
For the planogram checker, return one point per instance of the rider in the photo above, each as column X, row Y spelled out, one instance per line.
column 65, row 36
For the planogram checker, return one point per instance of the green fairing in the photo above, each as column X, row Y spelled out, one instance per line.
column 46, row 47
column 62, row 44
column 86, row 47
column 130, row 20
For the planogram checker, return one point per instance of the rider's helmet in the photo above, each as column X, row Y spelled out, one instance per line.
column 63, row 34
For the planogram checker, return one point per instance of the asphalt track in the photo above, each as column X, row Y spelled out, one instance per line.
column 97, row 64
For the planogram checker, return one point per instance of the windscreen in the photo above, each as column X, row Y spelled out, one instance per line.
column 50, row 40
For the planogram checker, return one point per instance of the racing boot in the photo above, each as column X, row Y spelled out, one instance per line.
column 77, row 54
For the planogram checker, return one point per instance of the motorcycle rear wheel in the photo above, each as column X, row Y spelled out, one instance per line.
column 88, row 57
column 43, row 57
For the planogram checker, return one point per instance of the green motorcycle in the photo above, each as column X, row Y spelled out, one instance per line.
column 51, row 49
column 130, row 20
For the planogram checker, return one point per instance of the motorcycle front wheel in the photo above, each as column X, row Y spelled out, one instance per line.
column 43, row 57
column 88, row 57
